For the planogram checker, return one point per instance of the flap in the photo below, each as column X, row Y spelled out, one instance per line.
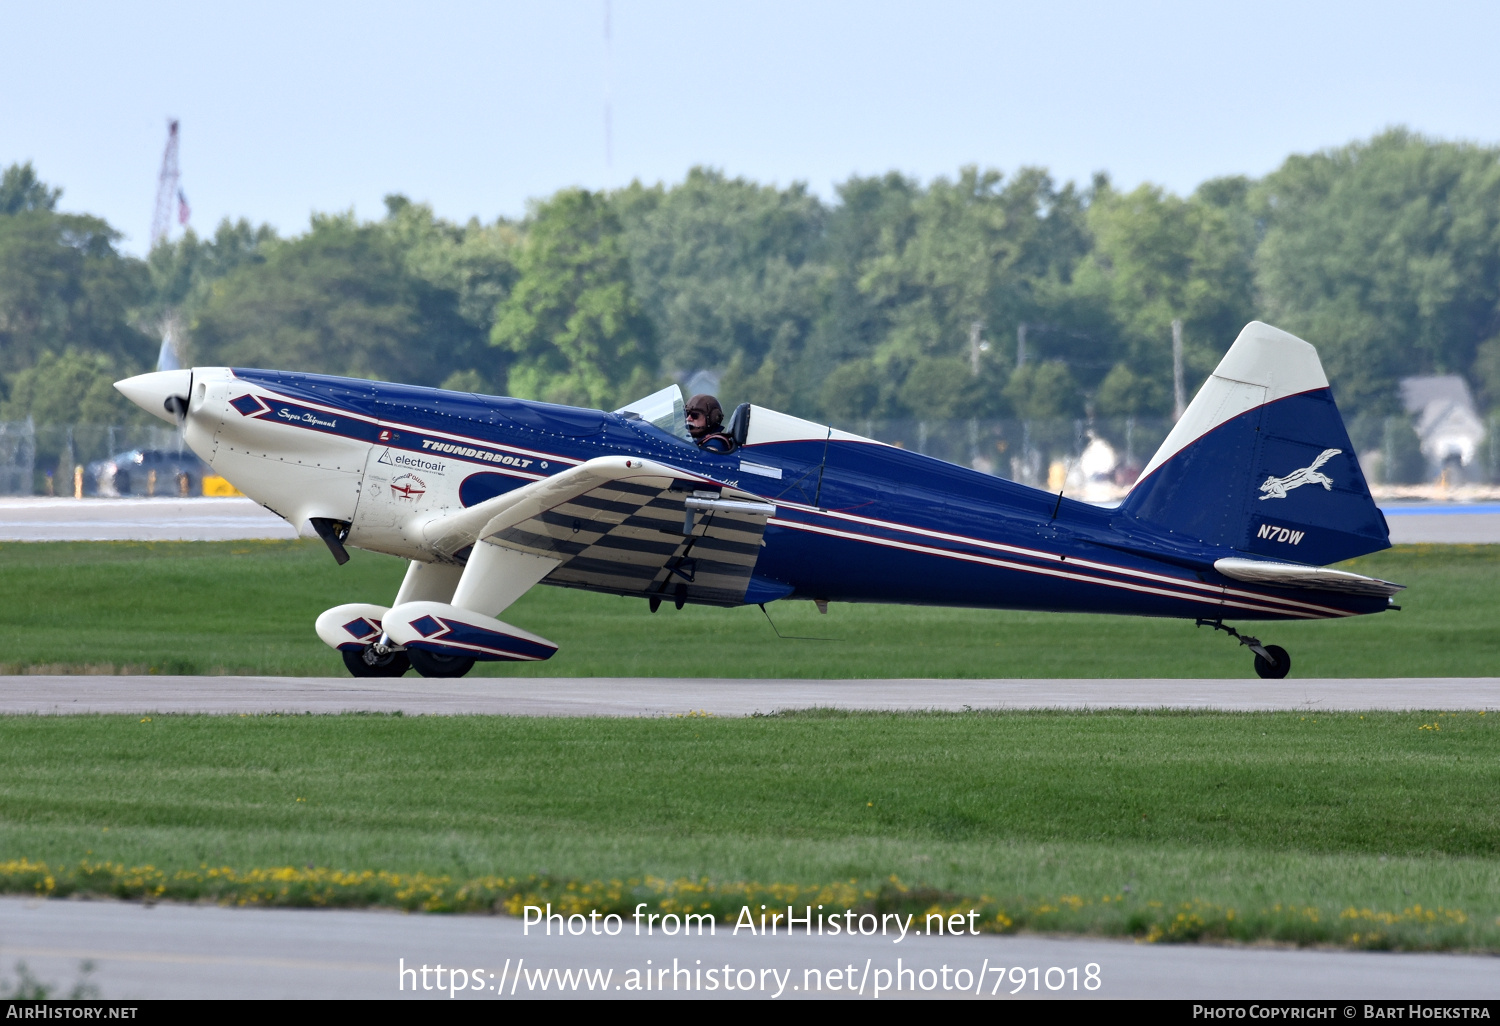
column 1294, row 575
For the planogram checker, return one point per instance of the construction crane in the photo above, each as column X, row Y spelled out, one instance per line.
column 168, row 191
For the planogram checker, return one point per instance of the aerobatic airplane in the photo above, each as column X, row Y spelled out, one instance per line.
column 1253, row 492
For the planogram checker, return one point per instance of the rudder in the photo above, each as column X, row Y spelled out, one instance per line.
column 1261, row 462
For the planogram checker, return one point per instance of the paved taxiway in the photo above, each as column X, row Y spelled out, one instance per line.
column 61, row 519
column 1475, row 524
column 49, row 519
column 655, row 696
column 200, row 951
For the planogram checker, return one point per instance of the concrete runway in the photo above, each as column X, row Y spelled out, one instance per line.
column 44, row 519
column 201, row 951
column 205, row 951
column 604, row 696
column 1450, row 525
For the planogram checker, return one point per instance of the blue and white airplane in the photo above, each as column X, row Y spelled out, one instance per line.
column 1255, row 490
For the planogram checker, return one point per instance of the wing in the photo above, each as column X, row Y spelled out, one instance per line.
column 614, row 524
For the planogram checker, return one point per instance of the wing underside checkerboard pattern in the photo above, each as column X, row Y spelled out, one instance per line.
column 626, row 538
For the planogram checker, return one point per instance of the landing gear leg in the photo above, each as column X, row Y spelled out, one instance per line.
column 1271, row 661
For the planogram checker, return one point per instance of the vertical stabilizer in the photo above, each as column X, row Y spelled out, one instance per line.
column 1261, row 463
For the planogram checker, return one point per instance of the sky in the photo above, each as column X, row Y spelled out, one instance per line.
column 478, row 108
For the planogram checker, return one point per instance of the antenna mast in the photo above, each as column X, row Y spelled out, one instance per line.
column 167, row 191
column 609, row 128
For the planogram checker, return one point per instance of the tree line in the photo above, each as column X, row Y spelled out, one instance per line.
column 980, row 295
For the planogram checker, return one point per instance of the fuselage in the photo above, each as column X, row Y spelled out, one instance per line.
column 856, row 520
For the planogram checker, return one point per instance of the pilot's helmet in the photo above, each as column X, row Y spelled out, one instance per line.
column 713, row 413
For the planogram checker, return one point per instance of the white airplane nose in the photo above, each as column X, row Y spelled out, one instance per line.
column 151, row 392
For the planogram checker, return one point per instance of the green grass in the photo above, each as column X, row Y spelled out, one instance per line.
column 1170, row 825
column 248, row 607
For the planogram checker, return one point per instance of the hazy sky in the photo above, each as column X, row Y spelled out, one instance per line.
column 288, row 108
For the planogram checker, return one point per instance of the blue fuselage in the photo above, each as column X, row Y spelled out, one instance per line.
column 855, row 521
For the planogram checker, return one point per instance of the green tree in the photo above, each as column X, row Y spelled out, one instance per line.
column 873, row 215
column 773, row 383
column 181, row 270
column 1486, row 371
column 1124, row 393
column 728, row 273
column 62, row 282
column 941, row 388
column 1385, row 255
column 1157, row 258
column 21, row 191
column 851, row 392
column 1044, row 390
column 71, row 387
column 54, row 279
column 474, row 263
column 337, row 300
column 572, row 321
column 975, row 250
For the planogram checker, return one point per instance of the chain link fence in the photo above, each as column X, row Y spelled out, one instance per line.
column 40, row 459
column 17, row 457
column 1096, row 459
column 1100, row 459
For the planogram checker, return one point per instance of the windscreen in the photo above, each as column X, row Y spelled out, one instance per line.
column 663, row 409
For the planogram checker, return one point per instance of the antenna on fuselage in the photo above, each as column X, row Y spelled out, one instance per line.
column 787, row 637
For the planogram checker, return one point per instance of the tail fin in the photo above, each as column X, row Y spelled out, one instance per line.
column 1261, row 463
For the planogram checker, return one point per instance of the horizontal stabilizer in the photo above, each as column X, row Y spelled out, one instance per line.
column 450, row 630
column 1294, row 575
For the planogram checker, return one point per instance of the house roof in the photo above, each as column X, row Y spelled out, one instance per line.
column 1418, row 393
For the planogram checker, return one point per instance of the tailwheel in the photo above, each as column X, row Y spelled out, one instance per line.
column 433, row 664
column 1273, row 670
column 366, row 662
column 1271, row 661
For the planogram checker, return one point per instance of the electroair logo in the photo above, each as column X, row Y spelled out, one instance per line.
column 407, row 462
column 1277, row 487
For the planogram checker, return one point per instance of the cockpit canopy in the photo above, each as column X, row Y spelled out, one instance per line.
column 664, row 409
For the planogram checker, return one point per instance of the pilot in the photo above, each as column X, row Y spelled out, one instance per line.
column 705, row 421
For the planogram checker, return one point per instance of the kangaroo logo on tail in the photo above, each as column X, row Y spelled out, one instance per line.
column 1277, row 487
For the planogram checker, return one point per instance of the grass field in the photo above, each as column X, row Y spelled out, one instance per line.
column 249, row 607
column 1381, row 830
column 1378, row 830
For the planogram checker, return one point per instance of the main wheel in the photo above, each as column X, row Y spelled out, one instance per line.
column 432, row 664
column 364, row 662
column 1279, row 670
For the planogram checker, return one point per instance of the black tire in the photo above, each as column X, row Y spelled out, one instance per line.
column 363, row 662
column 1278, row 671
column 431, row 664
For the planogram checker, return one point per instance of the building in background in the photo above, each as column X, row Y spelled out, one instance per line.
column 1442, row 411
